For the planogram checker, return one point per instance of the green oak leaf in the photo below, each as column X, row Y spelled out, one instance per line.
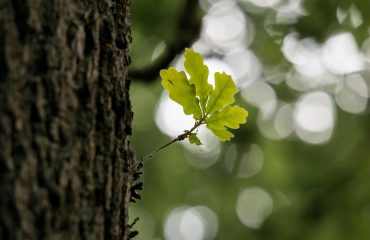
column 222, row 134
column 198, row 75
column 229, row 116
column 181, row 91
column 208, row 105
column 223, row 94
column 193, row 139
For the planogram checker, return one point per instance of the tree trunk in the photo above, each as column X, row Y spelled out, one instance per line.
column 65, row 119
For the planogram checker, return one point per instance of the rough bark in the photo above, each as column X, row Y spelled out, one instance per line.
column 65, row 119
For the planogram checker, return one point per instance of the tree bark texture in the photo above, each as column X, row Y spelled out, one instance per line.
column 65, row 119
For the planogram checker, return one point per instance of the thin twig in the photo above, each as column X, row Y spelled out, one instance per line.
column 150, row 155
column 179, row 138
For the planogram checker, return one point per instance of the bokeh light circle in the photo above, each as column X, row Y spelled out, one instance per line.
column 226, row 27
column 314, row 117
column 341, row 54
column 352, row 95
column 253, row 206
column 191, row 223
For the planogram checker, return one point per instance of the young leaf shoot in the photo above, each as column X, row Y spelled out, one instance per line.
column 210, row 106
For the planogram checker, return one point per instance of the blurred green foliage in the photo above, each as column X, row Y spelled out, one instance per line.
column 319, row 191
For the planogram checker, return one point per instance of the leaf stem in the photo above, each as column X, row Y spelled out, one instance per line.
column 178, row 139
column 150, row 155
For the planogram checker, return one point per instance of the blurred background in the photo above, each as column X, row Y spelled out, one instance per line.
column 300, row 167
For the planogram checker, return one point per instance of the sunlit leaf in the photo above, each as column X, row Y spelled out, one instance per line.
column 222, row 134
column 223, row 94
column 209, row 106
column 193, row 139
column 230, row 116
column 181, row 91
column 198, row 75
